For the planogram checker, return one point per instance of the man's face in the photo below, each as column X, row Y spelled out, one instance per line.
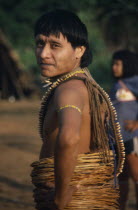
column 117, row 68
column 56, row 56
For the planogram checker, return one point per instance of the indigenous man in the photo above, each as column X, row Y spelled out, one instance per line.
column 77, row 122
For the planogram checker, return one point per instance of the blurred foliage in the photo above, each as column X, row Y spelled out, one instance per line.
column 118, row 19
column 112, row 18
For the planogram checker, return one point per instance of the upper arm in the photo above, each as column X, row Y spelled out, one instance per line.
column 69, row 119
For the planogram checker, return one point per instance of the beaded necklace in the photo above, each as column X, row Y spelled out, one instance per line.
column 52, row 86
column 115, row 125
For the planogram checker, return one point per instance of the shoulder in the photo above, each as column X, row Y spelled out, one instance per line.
column 71, row 91
column 73, row 87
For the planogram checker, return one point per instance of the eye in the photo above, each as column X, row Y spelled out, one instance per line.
column 54, row 45
column 39, row 43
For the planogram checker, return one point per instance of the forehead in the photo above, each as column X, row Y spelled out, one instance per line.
column 51, row 37
column 118, row 61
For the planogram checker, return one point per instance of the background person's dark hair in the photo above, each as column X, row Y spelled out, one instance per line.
column 67, row 23
column 129, row 60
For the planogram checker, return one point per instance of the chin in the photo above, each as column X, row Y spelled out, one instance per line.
column 45, row 73
column 116, row 76
column 48, row 74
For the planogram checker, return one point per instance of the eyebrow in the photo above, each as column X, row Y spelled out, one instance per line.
column 51, row 40
column 54, row 42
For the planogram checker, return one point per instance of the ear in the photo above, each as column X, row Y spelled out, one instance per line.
column 80, row 51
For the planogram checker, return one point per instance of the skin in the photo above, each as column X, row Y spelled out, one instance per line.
column 117, row 68
column 67, row 132
column 131, row 125
column 130, row 170
column 131, row 162
column 132, row 159
column 55, row 56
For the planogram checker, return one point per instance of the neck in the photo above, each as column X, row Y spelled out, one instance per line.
column 53, row 79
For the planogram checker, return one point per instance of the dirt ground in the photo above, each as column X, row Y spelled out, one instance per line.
column 20, row 146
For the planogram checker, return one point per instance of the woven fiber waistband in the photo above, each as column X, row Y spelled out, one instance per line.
column 94, row 177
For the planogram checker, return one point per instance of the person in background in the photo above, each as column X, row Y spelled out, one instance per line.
column 124, row 95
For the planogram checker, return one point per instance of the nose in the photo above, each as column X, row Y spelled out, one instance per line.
column 45, row 52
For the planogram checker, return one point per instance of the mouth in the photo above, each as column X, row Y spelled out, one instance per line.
column 45, row 65
column 115, row 72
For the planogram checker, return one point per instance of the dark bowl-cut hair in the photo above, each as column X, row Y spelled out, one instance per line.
column 71, row 27
column 129, row 60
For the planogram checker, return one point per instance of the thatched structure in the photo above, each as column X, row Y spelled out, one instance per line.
column 11, row 74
